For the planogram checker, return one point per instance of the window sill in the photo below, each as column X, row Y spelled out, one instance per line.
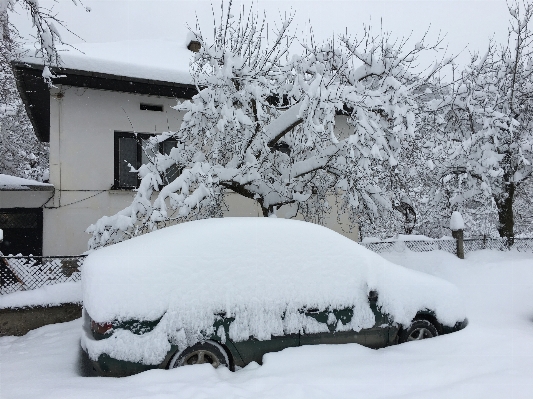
column 119, row 191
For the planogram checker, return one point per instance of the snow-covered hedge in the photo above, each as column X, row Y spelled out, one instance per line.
column 260, row 271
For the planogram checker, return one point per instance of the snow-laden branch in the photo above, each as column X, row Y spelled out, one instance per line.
column 267, row 128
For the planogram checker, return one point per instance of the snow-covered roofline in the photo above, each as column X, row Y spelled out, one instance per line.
column 35, row 92
column 14, row 183
column 141, row 67
column 142, row 60
column 16, row 192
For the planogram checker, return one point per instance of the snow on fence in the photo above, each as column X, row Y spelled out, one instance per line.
column 417, row 246
column 500, row 244
column 470, row 244
column 22, row 273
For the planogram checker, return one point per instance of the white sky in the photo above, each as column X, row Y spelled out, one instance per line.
column 466, row 23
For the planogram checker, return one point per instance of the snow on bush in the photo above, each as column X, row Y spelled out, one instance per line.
column 260, row 271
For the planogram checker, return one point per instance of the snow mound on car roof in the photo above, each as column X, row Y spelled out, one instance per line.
column 256, row 270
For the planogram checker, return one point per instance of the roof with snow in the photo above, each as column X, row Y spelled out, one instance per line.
column 159, row 68
column 14, row 183
column 16, row 192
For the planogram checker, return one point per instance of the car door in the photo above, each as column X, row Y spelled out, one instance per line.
column 374, row 337
column 379, row 335
column 330, row 318
column 252, row 349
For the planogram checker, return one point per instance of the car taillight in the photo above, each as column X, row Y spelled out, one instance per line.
column 101, row 328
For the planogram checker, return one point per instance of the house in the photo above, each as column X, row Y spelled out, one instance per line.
column 100, row 98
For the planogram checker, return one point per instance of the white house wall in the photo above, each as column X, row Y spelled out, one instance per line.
column 82, row 126
column 24, row 198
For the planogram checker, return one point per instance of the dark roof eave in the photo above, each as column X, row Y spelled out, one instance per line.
column 35, row 92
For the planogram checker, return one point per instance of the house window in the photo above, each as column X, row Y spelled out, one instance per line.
column 174, row 171
column 131, row 149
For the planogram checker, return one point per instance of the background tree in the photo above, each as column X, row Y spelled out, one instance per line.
column 484, row 137
column 44, row 22
column 21, row 153
column 523, row 209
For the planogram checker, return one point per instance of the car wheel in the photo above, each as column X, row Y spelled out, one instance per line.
column 201, row 353
column 419, row 329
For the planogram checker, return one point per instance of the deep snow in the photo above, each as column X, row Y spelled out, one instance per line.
column 491, row 358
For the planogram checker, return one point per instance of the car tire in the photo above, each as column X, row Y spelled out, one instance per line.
column 200, row 353
column 419, row 329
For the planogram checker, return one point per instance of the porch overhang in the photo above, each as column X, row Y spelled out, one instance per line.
column 25, row 196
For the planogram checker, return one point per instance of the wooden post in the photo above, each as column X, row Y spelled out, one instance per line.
column 458, row 235
column 457, row 226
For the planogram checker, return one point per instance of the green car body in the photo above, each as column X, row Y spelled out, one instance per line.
column 385, row 332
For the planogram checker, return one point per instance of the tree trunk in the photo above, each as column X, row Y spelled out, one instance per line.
column 505, row 214
column 266, row 211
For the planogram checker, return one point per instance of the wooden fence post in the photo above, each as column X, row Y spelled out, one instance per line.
column 458, row 235
column 457, row 226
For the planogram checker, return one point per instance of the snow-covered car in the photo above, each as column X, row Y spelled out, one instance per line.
column 227, row 291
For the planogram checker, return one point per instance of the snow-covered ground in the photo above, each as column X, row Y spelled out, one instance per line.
column 47, row 295
column 491, row 358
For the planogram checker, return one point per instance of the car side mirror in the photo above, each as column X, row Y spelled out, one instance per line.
column 373, row 296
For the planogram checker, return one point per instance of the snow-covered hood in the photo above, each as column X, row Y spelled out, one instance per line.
column 249, row 266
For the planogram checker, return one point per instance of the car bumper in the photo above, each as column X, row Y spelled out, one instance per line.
column 457, row 327
column 107, row 366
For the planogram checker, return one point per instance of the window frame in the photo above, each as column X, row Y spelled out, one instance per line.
column 138, row 137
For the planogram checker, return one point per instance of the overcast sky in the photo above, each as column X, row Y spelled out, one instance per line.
column 465, row 23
